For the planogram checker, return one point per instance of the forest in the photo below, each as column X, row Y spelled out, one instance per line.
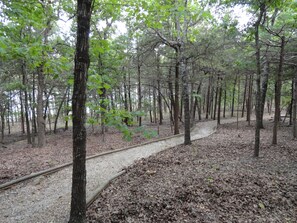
column 95, row 67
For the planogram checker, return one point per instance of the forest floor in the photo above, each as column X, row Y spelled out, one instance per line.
column 17, row 158
column 216, row 179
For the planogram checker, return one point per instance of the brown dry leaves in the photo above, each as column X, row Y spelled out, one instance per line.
column 214, row 180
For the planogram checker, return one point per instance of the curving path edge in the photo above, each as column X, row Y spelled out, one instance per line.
column 47, row 198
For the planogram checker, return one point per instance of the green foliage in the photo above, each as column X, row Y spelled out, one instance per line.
column 116, row 118
column 146, row 132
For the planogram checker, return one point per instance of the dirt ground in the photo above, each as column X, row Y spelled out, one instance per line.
column 216, row 179
column 18, row 158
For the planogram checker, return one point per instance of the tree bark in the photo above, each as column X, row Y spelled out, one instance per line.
column 225, row 101
column 278, row 87
column 264, row 88
column 159, row 92
column 22, row 113
column 2, row 115
column 176, row 96
column 139, row 92
column 208, row 98
column 295, row 107
column 171, row 96
column 258, row 83
column 59, row 109
column 82, row 61
column 219, row 100
column 154, row 104
column 216, row 101
column 233, row 96
column 40, row 106
column 244, row 96
column 187, row 135
column 249, row 100
column 25, row 80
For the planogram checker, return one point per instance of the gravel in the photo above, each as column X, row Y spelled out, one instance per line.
column 47, row 198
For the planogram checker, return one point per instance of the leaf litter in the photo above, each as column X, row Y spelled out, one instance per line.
column 215, row 179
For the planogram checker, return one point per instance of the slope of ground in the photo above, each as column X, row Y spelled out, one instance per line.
column 216, row 179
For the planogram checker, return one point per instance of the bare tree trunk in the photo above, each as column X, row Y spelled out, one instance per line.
column 278, row 87
column 139, row 93
column 264, row 88
column 249, row 100
column 33, row 103
column 40, row 90
column 187, row 135
column 258, row 83
column 2, row 115
column 215, row 101
column 59, row 109
column 8, row 113
column 225, row 101
column 176, row 96
column 25, row 80
column 291, row 103
column 129, row 93
column 67, row 111
column 22, row 113
column 82, row 61
column 208, row 98
column 40, row 106
column 295, row 107
column 160, row 102
column 154, row 104
column 238, row 102
column 219, row 99
column 171, row 96
column 244, row 96
column 233, row 96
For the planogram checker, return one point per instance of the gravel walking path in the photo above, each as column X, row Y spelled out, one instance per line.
column 47, row 198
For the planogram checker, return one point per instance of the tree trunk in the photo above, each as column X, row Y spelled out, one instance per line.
column 233, row 96
column 154, row 104
column 264, row 88
column 82, row 61
column 225, row 101
column 278, row 87
column 160, row 102
column 59, row 109
column 139, row 93
column 67, row 111
column 129, row 93
column 249, row 100
column 24, row 76
column 258, row 83
column 2, row 115
column 171, row 95
column 295, row 107
column 40, row 106
column 219, row 100
column 187, row 135
column 22, row 113
column 208, row 98
column 216, row 101
column 238, row 101
column 291, row 103
column 244, row 96
column 176, row 96
column 125, row 98
column 8, row 113
column 33, row 103
column 40, row 90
